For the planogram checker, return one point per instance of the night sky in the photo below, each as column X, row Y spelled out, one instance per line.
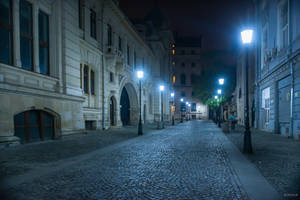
column 218, row 21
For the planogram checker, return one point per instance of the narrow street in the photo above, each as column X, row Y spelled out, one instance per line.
column 193, row 160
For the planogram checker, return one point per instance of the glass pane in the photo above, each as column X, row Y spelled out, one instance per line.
column 92, row 83
column 5, row 46
column 26, row 53
column 21, row 133
column 19, row 119
column 43, row 27
column 5, row 9
column 25, row 17
column 48, row 133
column 34, row 123
column 33, row 118
column 43, row 55
column 48, row 119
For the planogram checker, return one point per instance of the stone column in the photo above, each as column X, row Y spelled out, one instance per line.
column 16, row 34
column 36, row 61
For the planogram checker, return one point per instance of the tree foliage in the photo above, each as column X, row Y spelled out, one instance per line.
column 206, row 85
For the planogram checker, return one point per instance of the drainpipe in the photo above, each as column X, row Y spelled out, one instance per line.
column 102, row 66
column 291, row 69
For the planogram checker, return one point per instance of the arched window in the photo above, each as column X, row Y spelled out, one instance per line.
column 182, row 79
column 34, row 125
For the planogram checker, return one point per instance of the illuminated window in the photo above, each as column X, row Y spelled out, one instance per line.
column 173, row 45
column 173, row 52
column 174, row 80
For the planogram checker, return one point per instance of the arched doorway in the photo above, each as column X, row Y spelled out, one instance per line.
column 34, row 125
column 112, row 111
column 125, row 107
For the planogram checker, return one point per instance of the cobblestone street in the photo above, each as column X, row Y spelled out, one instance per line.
column 186, row 161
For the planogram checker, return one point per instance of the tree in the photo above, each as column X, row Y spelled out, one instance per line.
column 206, row 85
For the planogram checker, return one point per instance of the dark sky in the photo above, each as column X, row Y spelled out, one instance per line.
column 218, row 21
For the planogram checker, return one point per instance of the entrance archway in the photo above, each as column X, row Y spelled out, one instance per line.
column 112, row 111
column 34, row 125
column 125, row 107
column 129, row 105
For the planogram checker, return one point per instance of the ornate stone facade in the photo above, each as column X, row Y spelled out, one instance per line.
column 93, row 54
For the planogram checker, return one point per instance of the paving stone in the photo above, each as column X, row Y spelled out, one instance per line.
column 186, row 161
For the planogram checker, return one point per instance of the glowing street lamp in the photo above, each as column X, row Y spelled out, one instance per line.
column 181, row 107
column 181, row 99
column 247, row 39
column 216, row 97
column 173, row 108
column 140, row 75
column 219, row 91
column 162, row 88
column 221, row 81
column 247, row 36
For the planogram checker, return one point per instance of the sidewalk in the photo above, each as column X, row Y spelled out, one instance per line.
column 22, row 158
column 276, row 157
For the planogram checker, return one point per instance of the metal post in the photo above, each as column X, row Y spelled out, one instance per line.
column 181, row 120
column 173, row 112
column 247, row 134
column 140, row 126
column 162, row 110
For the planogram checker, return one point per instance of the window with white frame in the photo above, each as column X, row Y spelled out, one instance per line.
column 87, row 79
column 264, row 45
column 265, row 104
column 283, row 24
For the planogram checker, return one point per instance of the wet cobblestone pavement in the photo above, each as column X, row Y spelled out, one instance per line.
column 186, row 161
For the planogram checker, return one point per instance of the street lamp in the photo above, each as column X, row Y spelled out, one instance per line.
column 221, row 81
column 189, row 114
column 216, row 97
column 181, row 107
column 247, row 39
column 219, row 91
column 162, row 88
column 186, row 110
column 173, row 108
column 140, row 75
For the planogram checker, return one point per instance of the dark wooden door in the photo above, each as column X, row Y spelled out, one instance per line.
column 125, row 107
column 34, row 125
column 112, row 112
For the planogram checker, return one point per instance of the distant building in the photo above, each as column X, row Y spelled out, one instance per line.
column 278, row 67
column 187, row 66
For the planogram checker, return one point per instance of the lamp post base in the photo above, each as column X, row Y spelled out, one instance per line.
column 140, row 128
column 160, row 125
column 247, row 142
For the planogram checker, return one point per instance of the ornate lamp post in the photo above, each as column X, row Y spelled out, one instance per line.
column 181, row 100
column 247, row 39
column 140, row 75
column 173, row 108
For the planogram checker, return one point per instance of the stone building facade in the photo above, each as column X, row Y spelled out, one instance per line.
column 278, row 67
column 67, row 66
column 187, row 63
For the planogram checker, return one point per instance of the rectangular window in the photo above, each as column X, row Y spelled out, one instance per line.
column 81, row 14
column 134, row 60
column 193, row 108
column 6, row 31
column 284, row 24
column 92, row 82
column 266, row 104
column 109, row 35
column 111, row 77
column 128, row 55
column 120, row 44
column 26, row 36
column 44, row 43
column 93, row 24
column 86, row 79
